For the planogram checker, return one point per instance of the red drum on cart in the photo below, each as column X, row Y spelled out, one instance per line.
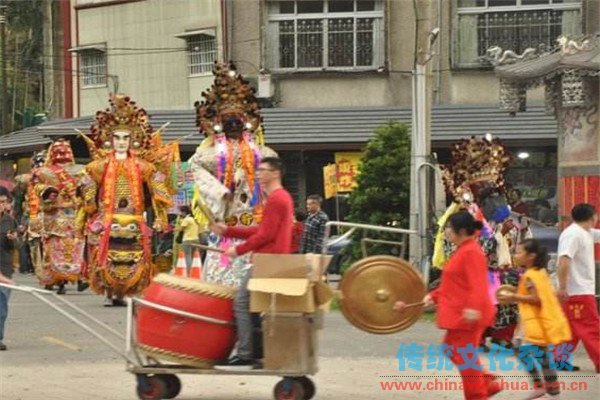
column 169, row 337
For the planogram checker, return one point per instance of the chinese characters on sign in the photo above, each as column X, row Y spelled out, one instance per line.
column 436, row 357
column 347, row 170
column 330, row 180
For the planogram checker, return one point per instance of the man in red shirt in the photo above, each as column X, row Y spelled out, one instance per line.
column 273, row 235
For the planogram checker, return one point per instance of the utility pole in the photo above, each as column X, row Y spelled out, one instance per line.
column 425, row 36
column 4, row 99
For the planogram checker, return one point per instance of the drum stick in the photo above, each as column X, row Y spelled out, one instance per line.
column 420, row 303
column 207, row 248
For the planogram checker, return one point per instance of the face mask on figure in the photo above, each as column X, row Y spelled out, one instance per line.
column 121, row 141
column 233, row 127
column 493, row 205
column 61, row 153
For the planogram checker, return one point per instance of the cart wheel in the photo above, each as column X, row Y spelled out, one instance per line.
column 309, row 387
column 288, row 389
column 173, row 385
column 153, row 388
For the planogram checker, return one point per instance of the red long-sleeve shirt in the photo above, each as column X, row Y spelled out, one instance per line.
column 274, row 234
column 464, row 285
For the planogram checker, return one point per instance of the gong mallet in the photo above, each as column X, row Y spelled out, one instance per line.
column 410, row 305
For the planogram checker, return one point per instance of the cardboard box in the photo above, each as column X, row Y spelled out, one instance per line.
column 288, row 283
column 290, row 342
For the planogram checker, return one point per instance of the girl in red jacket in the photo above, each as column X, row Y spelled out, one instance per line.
column 464, row 306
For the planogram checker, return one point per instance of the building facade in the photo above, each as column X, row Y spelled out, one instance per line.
column 326, row 71
column 159, row 52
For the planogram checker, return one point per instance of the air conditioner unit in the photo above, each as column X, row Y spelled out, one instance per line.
column 265, row 86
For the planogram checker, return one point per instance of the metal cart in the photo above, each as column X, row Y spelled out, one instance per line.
column 158, row 380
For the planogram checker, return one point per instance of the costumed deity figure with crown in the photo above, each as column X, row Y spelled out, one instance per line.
column 53, row 209
column 126, row 189
column 27, row 210
column 224, row 167
column 475, row 181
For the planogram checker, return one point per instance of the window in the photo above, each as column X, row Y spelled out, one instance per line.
column 202, row 52
column 512, row 25
column 330, row 35
column 93, row 68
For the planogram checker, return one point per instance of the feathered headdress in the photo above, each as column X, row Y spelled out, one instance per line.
column 475, row 162
column 123, row 114
column 229, row 98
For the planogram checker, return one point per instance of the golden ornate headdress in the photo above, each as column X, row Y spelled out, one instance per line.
column 475, row 162
column 230, row 96
column 122, row 115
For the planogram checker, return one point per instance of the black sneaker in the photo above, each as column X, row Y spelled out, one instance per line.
column 81, row 286
column 567, row 366
column 236, row 364
column 61, row 289
column 119, row 303
column 2, row 346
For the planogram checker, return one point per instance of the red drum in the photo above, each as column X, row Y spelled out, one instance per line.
column 184, row 340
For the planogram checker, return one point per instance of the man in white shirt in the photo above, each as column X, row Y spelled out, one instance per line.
column 576, row 279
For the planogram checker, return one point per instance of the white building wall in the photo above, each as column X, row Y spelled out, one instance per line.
column 156, row 79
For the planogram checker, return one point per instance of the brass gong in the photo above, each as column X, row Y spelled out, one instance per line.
column 371, row 286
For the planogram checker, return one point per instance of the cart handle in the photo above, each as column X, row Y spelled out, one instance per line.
column 25, row 289
column 179, row 312
column 32, row 290
column 379, row 228
column 37, row 293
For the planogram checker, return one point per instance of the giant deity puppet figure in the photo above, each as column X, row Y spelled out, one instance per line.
column 475, row 181
column 28, row 213
column 224, row 167
column 126, row 190
column 53, row 209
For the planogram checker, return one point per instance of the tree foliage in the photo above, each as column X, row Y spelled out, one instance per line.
column 382, row 196
column 24, row 58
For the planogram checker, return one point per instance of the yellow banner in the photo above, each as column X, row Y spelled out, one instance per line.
column 347, row 170
column 330, row 180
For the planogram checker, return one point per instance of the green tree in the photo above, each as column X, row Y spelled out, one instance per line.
column 382, row 196
column 24, row 59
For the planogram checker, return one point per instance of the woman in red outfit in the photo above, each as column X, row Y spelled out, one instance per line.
column 464, row 306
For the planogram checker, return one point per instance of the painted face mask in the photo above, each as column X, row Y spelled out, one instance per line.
column 494, row 206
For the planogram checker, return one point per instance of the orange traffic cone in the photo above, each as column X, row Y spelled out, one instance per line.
column 180, row 268
column 196, row 270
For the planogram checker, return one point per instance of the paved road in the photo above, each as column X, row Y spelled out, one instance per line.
column 50, row 358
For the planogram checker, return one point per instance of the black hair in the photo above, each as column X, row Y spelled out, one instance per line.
column 583, row 212
column 464, row 220
column 185, row 209
column 533, row 246
column 316, row 197
column 300, row 215
column 275, row 163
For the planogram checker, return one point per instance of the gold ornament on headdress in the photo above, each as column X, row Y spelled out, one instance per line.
column 229, row 96
column 123, row 115
column 475, row 161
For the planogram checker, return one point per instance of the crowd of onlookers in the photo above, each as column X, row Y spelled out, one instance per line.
column 185, row 233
